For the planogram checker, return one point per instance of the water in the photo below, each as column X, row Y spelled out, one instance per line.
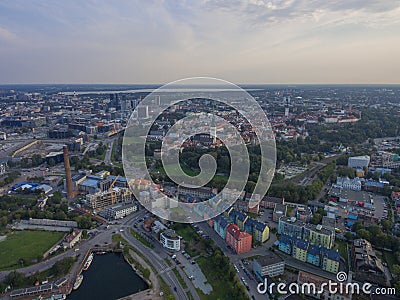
column 109, row 277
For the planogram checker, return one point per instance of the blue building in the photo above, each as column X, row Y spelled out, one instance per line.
column 285, row 244
column 220, row 224
column 313, row 255
column 330, row 260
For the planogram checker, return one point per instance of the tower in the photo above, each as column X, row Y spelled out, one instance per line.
column 287, row 100
column 213, row 127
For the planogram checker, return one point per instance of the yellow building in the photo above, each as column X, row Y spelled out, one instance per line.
column 360, row 173
column 330, row 260
column 300, row 248
column 319, row 236
column 261, row 232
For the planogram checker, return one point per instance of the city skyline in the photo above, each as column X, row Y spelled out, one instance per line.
column 260, row 42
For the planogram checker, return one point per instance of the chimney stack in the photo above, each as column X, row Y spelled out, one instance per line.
column 68, row 175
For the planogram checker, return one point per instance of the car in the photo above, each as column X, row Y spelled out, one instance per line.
column 175, row 288
column 174, row 256
column 97, row 245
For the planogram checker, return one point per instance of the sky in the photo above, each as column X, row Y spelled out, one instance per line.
column 159, row 41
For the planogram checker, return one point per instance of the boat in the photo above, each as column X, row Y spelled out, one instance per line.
column 88, row 262
column 78, row 282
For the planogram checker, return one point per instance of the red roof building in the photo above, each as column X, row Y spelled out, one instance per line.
column 240, row 241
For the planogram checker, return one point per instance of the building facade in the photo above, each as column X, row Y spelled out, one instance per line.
column 238, row 240
column 170, row 240
column 269, row 265
column 118, row 211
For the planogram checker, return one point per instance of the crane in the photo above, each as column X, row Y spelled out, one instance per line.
column 110, row 190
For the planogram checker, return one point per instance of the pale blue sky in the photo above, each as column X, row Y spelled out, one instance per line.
column 158, row 41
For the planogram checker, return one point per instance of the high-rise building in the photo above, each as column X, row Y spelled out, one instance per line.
column 143, row 112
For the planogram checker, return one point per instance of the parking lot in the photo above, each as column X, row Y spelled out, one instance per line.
column 359, row 203
column 192, row 271
column 291, row 171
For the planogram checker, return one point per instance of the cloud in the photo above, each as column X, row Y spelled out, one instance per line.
column 7, row 35
column 163, row 40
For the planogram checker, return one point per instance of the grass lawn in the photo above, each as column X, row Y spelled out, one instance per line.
column 342, row 247
column 252, row 215
column 194, row 244
column 289, row 211
column 180, row 279
column 141, row 239
column 165, row 289
column 28, row 245
column 187, row 232
column 390, row 259
column 218, row 285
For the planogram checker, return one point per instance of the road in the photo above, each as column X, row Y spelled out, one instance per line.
column 103, row 238
column 159, row 264
column 110, row 144
column 236, row 259
column 159, row 254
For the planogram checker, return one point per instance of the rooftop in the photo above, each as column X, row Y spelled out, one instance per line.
column 268, row 259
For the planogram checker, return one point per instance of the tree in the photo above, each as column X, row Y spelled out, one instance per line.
column 346, row 172
column 316, row 218
column 52, row 162
column 36, row 160
column 348, row 235
column 84, row 222
column 356, row 226
column 14, row 279
column 396, row 271
column 364, row 234
column 374, row 230
column 386, row 225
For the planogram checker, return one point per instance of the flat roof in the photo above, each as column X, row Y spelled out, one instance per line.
column 269, row 259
